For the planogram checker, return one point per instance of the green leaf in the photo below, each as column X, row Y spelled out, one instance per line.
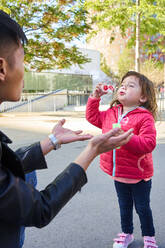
column 48, row 26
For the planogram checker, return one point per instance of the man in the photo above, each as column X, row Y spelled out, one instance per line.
column 20, row 203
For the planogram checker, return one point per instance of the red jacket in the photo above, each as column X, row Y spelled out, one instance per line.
column 133, row 160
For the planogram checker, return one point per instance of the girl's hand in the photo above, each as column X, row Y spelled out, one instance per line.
column 98, row 92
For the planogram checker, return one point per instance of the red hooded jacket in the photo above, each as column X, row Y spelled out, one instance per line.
column 133, row 160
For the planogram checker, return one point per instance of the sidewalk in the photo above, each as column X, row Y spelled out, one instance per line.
column 44, row 122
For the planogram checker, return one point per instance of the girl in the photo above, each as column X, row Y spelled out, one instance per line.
column 131, row 165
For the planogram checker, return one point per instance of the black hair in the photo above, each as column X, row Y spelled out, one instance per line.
column 10, row 30
column 11, row 35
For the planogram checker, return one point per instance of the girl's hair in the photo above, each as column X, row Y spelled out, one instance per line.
column 147, row 90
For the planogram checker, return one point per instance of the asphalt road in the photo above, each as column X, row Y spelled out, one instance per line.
column 91, row 218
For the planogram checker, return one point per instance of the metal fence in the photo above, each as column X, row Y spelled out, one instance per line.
column 38, row 102
column 60, row 99
column 161, row 106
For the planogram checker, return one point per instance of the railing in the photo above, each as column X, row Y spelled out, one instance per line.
column 161, row 106
column 60, row 99
column 37, row 102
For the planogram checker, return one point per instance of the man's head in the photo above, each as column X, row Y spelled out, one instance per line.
column 12, row 39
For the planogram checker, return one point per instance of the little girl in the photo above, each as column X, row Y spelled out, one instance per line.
column 131, row 166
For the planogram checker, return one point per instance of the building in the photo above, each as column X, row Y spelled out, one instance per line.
column 91, row 68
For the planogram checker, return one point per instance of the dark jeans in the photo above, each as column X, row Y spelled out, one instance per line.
column 139, row 195
column 31, row 178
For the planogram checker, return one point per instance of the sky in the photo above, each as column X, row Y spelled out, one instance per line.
column 79, row 43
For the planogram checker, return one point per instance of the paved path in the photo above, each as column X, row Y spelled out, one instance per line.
column 91, row 218
column 44, row 121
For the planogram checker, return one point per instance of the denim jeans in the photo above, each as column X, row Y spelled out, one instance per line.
column 137, row 194
column 31, row 178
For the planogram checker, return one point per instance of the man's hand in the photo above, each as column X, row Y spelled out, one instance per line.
column 102, row 143
column 65, row 135
column 110, row 140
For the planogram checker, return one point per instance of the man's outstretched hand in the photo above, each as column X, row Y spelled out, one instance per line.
column 103, row 143
column 65, row 135
column 110, row 140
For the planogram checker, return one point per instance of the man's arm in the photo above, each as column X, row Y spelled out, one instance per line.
column 34, row 208
column 32, row 156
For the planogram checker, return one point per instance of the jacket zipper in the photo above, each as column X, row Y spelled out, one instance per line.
column 114, row 150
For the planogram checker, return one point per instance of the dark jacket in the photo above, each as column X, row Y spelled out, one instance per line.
column 20, row 203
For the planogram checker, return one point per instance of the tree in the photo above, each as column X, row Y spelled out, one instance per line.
column 126, row 62
column 153, row 70
column 50, row 27
column 137, row 45
column 105, row 68
column 112, row 14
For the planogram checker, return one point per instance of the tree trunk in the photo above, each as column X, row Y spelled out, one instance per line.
column 164, row 76
column 137, row 49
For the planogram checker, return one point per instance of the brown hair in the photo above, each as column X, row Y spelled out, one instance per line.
column 147, row 90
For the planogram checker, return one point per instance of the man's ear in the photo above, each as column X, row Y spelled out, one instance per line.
column 3, row 70
column 143, row 99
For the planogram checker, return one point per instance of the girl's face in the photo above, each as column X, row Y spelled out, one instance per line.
column 130, row 93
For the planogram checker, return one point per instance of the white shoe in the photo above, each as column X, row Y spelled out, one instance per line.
column 149, row 242
column 123, row 240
